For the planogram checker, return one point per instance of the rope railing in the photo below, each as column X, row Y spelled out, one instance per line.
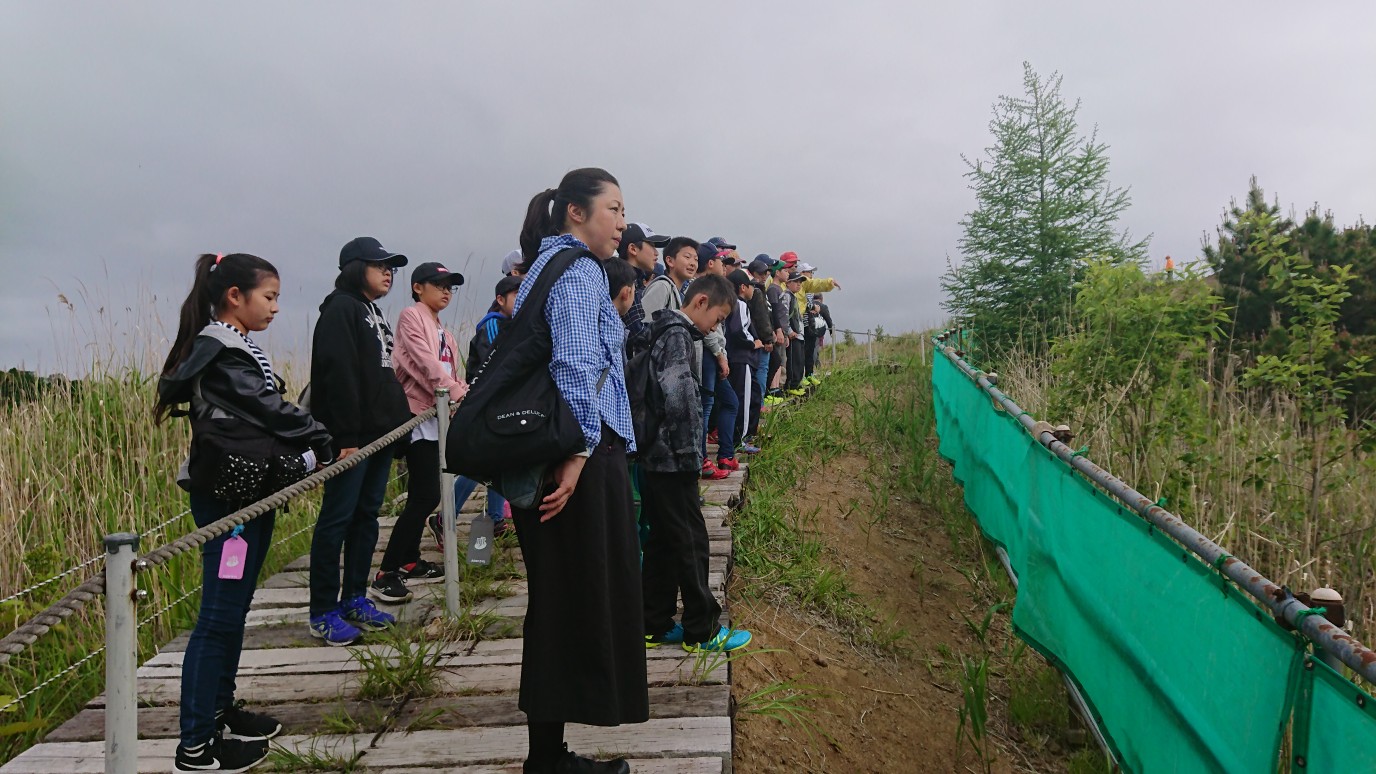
column 24, row 592
column 29, row 632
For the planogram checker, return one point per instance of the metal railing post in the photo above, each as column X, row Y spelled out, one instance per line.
column 451, row 549
column 922, row 348
column 121, row 655
column 869, row 345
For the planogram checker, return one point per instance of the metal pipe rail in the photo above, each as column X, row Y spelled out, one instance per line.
column 1282, row 605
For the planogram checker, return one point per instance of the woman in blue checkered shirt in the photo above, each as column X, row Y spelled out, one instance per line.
column 584, row 656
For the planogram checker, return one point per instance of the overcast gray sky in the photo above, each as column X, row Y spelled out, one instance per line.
column 136, row 135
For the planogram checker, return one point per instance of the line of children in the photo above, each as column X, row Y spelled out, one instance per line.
column 716, row 331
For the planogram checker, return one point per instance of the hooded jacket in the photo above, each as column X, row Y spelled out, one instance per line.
column 354, row 390
column 677, row 443
column 780, row 302
column 232, row 382
column 760, row 314
column 416, row 358
column 740, row 335
column 480, row 346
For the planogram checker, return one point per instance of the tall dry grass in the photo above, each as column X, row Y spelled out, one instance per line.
column 1242, row 482
column 79, row 463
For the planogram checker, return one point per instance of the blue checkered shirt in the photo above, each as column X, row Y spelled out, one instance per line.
column 589, row 338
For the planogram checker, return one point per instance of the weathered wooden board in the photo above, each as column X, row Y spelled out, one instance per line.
column 673, row 701
column 659, row 738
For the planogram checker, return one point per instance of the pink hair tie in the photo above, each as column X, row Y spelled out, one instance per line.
column 216, row 265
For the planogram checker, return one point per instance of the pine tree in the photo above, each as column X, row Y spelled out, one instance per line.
column 1238, row 267
column 1044, row 208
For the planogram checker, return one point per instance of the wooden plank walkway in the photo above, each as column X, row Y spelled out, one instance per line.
column 470, row 724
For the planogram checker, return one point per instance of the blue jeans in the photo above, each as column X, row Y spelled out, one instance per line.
column 211, row 661
column 463, row 489
column 709, row 392
column 348, row 521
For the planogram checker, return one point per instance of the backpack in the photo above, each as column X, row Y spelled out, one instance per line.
column 642, row 388
column 513, row 417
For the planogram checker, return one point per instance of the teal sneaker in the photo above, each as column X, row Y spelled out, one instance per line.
column 362, row 613
column 726, row 641
column 672, row 637
column 334, row 630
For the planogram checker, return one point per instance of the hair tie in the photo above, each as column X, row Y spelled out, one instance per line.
column 216, row 265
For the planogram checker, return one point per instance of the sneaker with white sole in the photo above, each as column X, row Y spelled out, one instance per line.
column 228, row 756
column 362, row 613
column 334, row 630
column 390, row 588
column 725, row 641
column 239, row 723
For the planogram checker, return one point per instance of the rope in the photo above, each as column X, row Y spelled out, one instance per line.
column 27, row 634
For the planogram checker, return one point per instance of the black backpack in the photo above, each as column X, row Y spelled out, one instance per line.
column 513, row 416
column 642, row 388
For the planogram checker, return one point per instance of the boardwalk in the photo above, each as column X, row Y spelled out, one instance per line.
column 471, row 724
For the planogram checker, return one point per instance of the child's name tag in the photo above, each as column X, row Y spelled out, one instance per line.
column 233, row 558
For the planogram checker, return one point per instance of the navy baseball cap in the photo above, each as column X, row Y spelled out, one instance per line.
column 434, row 273
column 507, row 284
column 370, row 250
column 722, row 243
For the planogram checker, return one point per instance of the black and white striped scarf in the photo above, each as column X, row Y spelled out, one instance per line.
column 257, row 355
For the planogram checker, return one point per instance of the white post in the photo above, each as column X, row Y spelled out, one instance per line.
column 121, row 655
column 869, row 345
column 451, row 548
column 922, row 347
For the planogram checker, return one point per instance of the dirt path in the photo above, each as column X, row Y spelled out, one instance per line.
column 889, row 698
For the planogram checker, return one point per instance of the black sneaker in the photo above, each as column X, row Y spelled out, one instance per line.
column 223, row 755
column 389, row 587
column 238, row 723
column 436, row 528
column 577, row 764
column 421, row 570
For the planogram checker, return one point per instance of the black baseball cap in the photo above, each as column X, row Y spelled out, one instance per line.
column 722, row 243
column 434, row 273
column 507, row 284
column 636, row 233
column 738, row 277
column 760, row 265
column 370, row 250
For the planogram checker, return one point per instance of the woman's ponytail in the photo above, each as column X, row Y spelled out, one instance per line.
column 539, row 224
column 214, row 276
column 549, row 209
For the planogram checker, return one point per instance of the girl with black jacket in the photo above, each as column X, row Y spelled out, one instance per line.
column 218, row 369
column 356, row 394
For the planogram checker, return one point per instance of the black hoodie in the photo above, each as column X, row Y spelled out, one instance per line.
column 353, row 388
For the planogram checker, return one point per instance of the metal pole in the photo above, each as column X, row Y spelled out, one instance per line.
column 121, row 655
column 451, row 548
column 833, row 351
column 1332, row 639
column 869, row 345
column 922, row 347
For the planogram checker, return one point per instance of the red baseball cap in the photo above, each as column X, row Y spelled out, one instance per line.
column 789, row 258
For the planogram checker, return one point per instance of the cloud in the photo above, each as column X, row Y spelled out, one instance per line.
column 134, row 137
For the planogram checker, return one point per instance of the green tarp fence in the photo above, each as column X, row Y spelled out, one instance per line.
column 1184, row 672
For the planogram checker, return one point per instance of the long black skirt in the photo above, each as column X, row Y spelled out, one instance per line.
column 584, row 651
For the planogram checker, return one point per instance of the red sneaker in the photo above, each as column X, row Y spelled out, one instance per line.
column 711, row 473
column 712, row 436
column 728, row 464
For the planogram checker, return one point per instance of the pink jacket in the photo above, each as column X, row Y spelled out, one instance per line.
column 416, row 359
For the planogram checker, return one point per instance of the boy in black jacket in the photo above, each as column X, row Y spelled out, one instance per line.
column 743, row 348
column 676, row 550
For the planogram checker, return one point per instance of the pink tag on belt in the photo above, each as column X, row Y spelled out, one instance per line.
column 233, row 558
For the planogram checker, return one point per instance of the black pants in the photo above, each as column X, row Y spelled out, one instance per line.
column 776, row 361
column 422, row 495
column 809, row 351
column 795, row 363
column 676, row 558
column 743, row 382
column 583, row 654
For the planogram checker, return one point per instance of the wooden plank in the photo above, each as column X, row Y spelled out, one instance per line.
column 662, row 738
column 673, row 701
column 494, row 678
